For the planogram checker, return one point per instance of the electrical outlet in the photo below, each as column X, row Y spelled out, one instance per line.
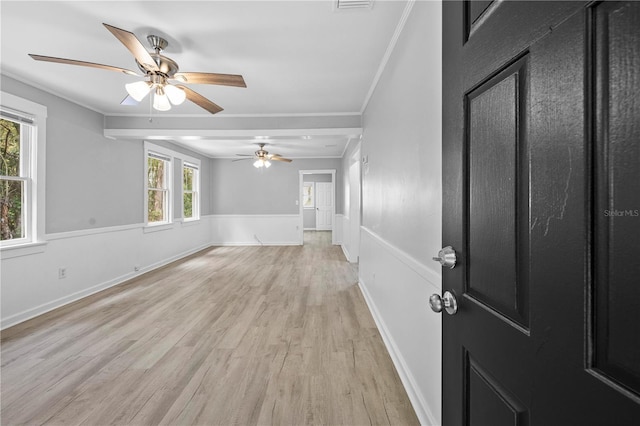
column 62, row 273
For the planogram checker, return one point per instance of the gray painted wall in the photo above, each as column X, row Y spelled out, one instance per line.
column 92, row 181
column 240, row 188
column 309, row 214
column 402, row 181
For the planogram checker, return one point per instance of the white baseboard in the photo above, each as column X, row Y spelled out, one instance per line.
column 417, row 401
column 346, row 252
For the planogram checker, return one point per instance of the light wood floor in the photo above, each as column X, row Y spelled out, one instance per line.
column 229, row 336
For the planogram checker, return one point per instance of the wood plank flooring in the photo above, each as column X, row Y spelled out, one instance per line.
column 228, row 336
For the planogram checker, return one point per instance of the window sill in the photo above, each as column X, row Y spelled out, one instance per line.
column 157, row 228
column 26, row 249
column 190, row 222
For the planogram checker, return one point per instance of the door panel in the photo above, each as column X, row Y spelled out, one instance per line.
column 473, row 13
column 475, row 9
column 490, row 403
column 541, row 123
column 324, row 206
column 617, row 212
column 496, row 150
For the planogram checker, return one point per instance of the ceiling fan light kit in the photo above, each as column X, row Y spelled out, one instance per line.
column 159, row 70
column 261, row 162
column 262, row 158
column 138, row 90
column 160, row 100
column 175, row 94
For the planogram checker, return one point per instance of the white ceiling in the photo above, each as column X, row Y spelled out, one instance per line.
column 298, row 58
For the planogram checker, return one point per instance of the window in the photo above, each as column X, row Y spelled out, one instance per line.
column 14, row 180
column 307, row 195
column 22, row 134
column 158, row 187
column 160, row 198
column 190, row 191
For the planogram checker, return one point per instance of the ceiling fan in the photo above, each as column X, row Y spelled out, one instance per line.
column 263, row 158
column 158, row 71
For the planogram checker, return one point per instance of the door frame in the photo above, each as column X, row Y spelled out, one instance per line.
column 301, row 174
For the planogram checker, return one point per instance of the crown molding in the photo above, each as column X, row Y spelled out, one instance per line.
column 387, row 54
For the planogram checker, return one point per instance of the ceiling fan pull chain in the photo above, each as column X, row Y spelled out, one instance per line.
column 150, row 110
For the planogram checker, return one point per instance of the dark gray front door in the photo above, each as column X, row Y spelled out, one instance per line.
column 541, row 160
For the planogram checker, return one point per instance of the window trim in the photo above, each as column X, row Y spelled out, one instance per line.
column 34, row 220
column 168, row 156
column 193, row 163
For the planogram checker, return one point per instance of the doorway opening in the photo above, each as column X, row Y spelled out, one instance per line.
column 317, row 204
column 317, row 238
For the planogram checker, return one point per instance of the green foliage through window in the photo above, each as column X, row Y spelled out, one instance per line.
column 189, row 190
column 188, row 178
column 157, row 190
column 12, row 184
column 188, row 205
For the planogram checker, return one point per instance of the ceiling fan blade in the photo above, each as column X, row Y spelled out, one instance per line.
column 240, row 159
column 210, row 78
column 132, row 43
column 278, row 158
column 82, row 63
column 245, row 155
column 200, row 100
column 128, row 100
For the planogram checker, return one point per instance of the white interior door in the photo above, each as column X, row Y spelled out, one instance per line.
column 324, row 206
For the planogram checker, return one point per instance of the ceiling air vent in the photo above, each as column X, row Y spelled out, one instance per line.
column 353, row 4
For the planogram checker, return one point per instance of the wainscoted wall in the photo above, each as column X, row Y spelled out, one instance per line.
column 346, row 239
column 94, row 260
column 255, row 229
column 338, row 229
column 397, row 288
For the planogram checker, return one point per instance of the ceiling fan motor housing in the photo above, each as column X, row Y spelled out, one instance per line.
column 261, row 153
column 168, row 67
column 157, row 42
